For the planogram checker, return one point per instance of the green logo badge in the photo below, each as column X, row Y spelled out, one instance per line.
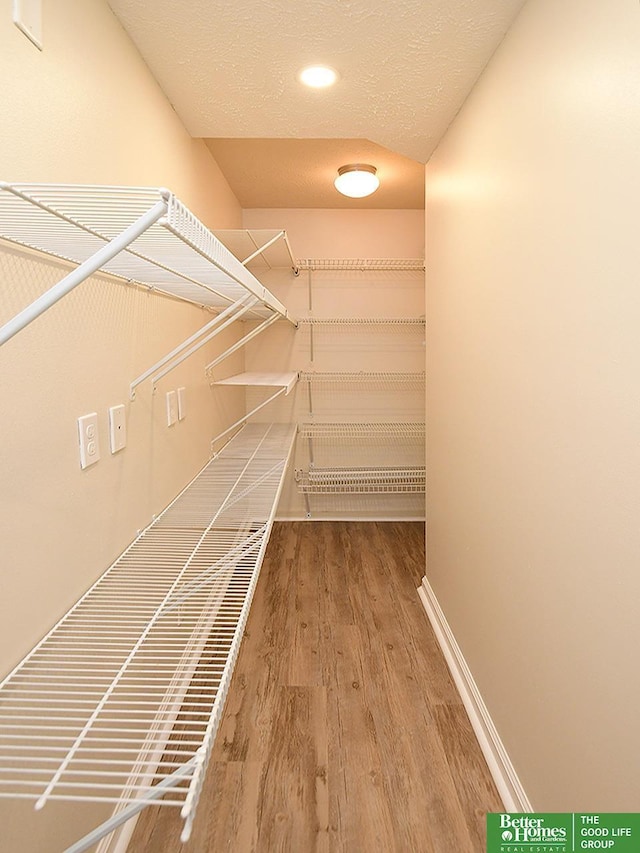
column 563, row 833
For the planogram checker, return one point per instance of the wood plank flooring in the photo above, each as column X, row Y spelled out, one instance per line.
column 342, row 730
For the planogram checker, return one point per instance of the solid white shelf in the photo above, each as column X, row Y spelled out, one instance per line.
column 279, row 380
column 142, row 235
column 284, row 382
column 121, row 701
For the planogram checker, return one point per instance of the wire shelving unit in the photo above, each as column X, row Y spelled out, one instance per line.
column 362, row 321
column 378, row 480
column 331, row 432
column 399, row 264
column 143, row 235
column 121, row 701
column 379, row 379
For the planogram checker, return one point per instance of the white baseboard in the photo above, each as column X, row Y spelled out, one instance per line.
column 502, row 770
column 382, row 518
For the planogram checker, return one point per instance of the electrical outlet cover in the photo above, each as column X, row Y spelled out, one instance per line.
column 172, row 408
column 117, row 428
column 88, row 439
column 182, row 403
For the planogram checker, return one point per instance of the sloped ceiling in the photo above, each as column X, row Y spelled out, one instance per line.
column 230, row 68
column 300, row 172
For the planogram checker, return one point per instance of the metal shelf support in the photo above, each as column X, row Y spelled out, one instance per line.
column 252, row 334
column 246, row 417
column 131, row 810
column 282, row 235
column 230, row 314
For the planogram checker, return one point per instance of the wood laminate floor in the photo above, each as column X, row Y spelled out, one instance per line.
column 342, row 730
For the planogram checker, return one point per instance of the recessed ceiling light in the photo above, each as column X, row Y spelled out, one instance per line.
column 357, row 180
column 318, row 76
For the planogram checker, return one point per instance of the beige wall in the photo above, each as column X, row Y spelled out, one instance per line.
column 86, row 109
column 345, row 234
column 533, row 418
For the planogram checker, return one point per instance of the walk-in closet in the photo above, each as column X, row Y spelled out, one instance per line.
column 318, row 424
column 118, row 707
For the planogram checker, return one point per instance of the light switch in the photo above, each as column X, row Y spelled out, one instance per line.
column 117, row 428
column 182, row 403
column 172, row 408
column 88, row 438
column 27, row 16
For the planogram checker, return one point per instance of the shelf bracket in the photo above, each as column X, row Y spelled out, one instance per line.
column 246, row 417
column 178, row 355
column 294, row 263
column 262, row 248
column 252, row 334
column 282, row 235
column 134, row 808
column 83, row 271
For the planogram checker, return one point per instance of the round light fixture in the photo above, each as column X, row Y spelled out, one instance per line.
column 318, row 76
column 357, row 180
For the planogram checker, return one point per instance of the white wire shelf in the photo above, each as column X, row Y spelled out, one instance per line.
column 406, row 379
column 143, row 235
column 331, row 432
column 418, row 322
column 361, row 264
column 378, row 480
column 120, row 702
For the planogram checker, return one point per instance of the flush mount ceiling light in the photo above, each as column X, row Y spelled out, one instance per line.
column 357, row 180
column 318, row 76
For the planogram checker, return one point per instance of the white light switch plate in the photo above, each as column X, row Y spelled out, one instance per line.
column 172, row 408
column 117, row 428
column 88, row 438
column 27, row 16
column 182, row 403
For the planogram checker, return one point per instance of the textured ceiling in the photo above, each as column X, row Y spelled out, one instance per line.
column 230, row 68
